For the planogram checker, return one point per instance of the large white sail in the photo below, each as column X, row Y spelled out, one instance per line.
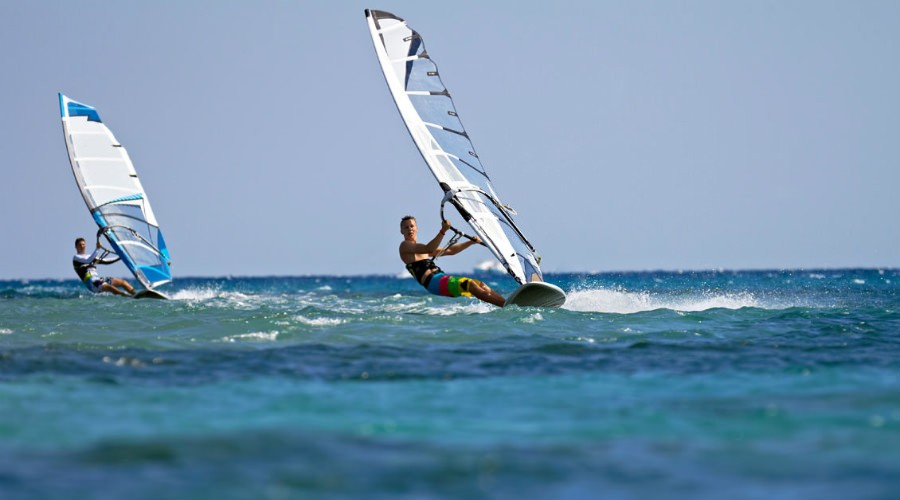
column 113, row 193
column 431, row 118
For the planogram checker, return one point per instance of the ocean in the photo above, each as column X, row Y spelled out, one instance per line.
column 720, row 384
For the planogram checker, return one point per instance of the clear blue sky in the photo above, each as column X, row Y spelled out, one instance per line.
column 628, row 135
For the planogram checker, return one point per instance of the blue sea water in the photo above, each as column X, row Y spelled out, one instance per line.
column 762, row 384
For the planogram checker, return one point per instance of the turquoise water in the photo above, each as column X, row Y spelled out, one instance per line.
column 779, row 384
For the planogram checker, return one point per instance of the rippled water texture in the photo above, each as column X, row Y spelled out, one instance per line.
column 644, row 385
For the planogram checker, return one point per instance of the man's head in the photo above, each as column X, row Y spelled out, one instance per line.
column 80, row 245
column 408, row 227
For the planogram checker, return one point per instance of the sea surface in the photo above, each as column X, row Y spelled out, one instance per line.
column 738, row 385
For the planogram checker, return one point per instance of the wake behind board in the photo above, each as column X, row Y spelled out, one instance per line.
column 537, row 294
column 150, row 294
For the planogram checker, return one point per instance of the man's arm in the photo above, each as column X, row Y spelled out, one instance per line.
column 433, row 246
column 459, row 247
column 89, row 259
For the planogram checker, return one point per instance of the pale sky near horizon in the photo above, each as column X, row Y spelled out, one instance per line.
column 627, row 135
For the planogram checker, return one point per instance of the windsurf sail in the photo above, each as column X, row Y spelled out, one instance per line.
column 113, row 194
column 430, row 116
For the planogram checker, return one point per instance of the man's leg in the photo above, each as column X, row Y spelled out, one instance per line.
column 106, row 287
column 123, row 284
column 484, row 293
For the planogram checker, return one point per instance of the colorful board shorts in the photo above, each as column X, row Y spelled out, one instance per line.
column 94, row 284
column 450, row 286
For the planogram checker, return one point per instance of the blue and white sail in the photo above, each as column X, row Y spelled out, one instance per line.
column 114, row 194
column 431, row 118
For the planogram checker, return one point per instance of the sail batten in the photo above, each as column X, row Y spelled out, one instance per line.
column 113, row 193
column 431, row 118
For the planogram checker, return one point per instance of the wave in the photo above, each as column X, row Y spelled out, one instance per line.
column 323, row 305
column 626, row 302
column 201, row 294
column 319, row 321
column 253, row 336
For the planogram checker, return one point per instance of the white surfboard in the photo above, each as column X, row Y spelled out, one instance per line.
column 150, row 294
column 537, row 294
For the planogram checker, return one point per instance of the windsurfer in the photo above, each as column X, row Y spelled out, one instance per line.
column 84, row 267
column 419, row 262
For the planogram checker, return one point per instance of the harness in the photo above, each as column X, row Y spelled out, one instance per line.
column 419, row 268
column 82, row 269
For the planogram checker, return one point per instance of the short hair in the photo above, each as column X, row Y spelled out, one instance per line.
column 406, row 218
column 78, row 240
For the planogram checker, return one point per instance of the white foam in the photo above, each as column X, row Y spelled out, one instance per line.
column 434, row 306
column 266, row 336
column 532, row 318
column 196, row 294
column 459, row 306
column 5, row 331
column 214, row 296
column 320, row 321
column 625, row 302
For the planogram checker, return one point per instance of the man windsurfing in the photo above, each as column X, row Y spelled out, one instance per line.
column 84, row 267
column 419, row 260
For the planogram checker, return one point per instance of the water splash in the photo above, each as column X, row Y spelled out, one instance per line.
column 253, row 336
column 197, row 294
column 626, row 302
column 319, row 321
